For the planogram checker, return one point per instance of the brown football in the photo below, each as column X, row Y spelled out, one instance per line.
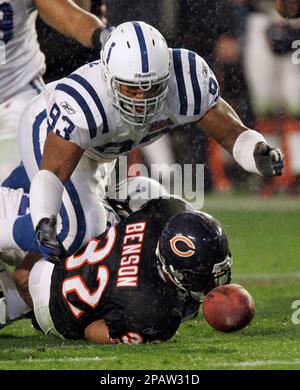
column 228, row 308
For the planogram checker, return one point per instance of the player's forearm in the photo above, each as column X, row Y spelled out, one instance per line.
column 59, row 161
column 85, row 26
column 223, row 124
column 69, row 19
column 45, row 195
column 60, row 156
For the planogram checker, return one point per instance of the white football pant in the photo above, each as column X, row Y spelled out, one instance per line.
column 10, row 112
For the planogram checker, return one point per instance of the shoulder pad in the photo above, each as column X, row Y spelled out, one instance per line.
column 78, row 98
column 194, row 85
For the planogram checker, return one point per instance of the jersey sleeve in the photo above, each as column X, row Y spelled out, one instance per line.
column 194, row 89
column 72, row 111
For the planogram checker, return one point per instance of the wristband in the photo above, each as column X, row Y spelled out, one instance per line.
column 243, row 149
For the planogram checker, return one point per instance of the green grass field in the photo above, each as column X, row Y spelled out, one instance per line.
column 265, row 242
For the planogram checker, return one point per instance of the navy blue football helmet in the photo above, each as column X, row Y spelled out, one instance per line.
column 193, row 251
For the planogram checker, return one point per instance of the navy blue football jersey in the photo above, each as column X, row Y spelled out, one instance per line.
column 116, row 278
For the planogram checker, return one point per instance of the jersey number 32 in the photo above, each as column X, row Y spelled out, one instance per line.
column 76, row 284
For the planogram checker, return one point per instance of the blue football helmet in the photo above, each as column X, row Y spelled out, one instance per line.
column 193, row 251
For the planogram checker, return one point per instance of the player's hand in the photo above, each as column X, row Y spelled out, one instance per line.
column 50, row 247
column 269, row 161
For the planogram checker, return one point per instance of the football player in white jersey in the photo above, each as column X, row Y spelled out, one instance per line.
column 22, row 64
column 137, row 92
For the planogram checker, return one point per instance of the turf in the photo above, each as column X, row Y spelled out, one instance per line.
column 265, row 245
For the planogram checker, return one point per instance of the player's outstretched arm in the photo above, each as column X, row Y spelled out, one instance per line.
column 248, row 147
column 97, row 332
column 288, row 8
column 223, row 124
column 70, row 20
column 59, row 161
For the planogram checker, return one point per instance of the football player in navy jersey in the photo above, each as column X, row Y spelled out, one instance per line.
column 134, row 283
column 138, row 91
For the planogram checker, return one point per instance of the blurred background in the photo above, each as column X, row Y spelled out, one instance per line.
column 248, row 46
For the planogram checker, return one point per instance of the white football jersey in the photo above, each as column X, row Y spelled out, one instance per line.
column 23, row 59
column 79, row 109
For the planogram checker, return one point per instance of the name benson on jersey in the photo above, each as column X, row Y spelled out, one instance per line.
column 131, row 255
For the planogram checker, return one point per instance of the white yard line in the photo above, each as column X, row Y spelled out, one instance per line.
column 256, row 363
column 61, row 360
column 268, row 276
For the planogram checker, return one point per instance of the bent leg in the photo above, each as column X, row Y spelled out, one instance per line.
column 21, row 276
column 12, row 303
column 82, row 213
column 39, row 288
column 14, row 205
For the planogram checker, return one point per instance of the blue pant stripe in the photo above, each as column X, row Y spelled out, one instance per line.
column 24, row 205
column 24, row 234
column 17, row 179
column 36, row 135
column 81, row 223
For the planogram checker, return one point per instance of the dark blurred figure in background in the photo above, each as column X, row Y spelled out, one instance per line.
column 161, row 14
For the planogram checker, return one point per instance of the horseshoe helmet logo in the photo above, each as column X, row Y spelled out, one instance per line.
column 178, row 238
